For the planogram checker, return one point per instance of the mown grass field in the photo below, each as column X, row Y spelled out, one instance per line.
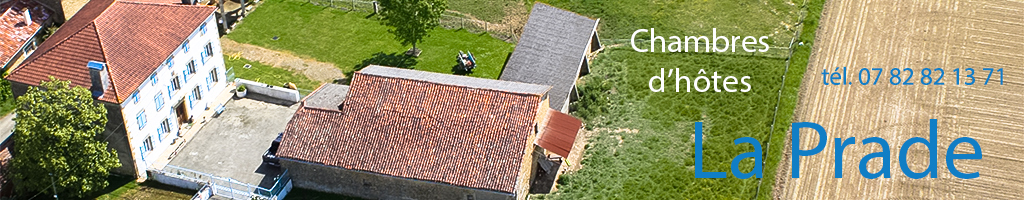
column 348, row 38
column 641, row 145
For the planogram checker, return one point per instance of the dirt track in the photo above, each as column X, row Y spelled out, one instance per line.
column 914, row 34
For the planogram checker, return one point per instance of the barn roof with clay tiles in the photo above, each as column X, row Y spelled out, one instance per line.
column 442, row 128
column 132, row 38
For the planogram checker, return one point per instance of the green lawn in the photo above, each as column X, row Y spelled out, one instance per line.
column 124, row 188
column 270, row 75
column 347, row 39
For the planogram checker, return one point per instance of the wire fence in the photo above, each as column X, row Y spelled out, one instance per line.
column 347, row 5
column 504, row 32
column 448, row 20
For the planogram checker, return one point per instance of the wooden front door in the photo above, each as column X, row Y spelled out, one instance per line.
column 182, row 112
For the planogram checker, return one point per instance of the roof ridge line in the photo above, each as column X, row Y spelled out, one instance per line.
column 103, row 51
column 320, row 109
column 463, row 86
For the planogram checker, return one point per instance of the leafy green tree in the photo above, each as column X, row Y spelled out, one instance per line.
column 410, row 20
column 57, row 133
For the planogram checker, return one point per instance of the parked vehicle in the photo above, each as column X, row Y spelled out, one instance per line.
column 270, row 157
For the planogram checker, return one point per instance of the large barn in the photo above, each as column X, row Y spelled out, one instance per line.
column 406, row 134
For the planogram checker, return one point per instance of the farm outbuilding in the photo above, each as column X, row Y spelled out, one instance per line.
column 406, row 134
column 554, row 50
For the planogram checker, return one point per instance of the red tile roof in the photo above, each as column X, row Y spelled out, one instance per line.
column 14, row 29
column 559, row 133
column 133, row 38
column 418, row 129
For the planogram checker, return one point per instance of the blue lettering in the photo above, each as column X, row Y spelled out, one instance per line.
column 756, row 155
column 932, row 153
column 950, row 156
column 884, row 154
column 797, row 152
column 698, row 132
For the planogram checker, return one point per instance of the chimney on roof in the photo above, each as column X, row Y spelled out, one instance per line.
column 99, row 76
column 28, row 17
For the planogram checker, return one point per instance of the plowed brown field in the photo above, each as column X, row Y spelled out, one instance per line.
column 914, row 34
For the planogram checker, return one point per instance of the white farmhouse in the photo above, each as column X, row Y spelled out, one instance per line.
column 154, row 66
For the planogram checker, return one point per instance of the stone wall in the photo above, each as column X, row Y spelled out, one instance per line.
column 376, row 186
column 117, row 139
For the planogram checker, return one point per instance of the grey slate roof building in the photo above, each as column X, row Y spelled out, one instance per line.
column 553, row 51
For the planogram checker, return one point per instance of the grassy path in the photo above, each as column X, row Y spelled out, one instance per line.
column 315, row 70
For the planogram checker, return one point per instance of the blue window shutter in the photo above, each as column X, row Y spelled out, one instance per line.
column 142, row 153
column 141, row 119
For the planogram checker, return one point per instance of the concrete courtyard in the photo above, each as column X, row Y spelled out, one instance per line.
column 232, row 144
